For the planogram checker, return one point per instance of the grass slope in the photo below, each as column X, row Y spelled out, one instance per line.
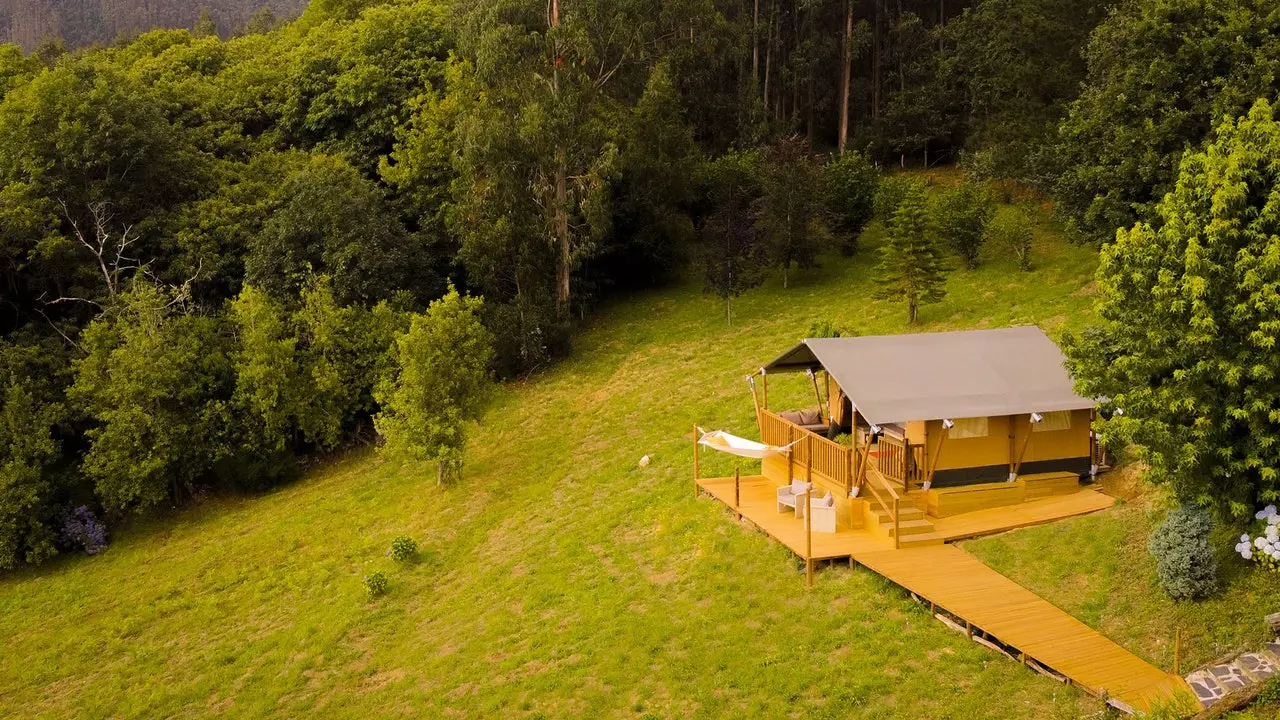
column 558, row 579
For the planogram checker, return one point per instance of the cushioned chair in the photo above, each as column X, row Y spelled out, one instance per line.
column 788, row 494
column 822, row 513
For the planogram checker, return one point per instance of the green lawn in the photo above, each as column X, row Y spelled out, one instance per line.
column 559, row 579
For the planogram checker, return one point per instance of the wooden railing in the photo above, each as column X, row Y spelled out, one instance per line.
column 888, row 499
column 837, row 461
column 822, row 455
column 901, row 462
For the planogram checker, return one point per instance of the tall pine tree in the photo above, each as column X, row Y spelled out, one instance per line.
column 911, row 266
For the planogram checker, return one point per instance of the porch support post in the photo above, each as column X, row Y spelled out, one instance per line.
column 818, row 395
column 933, row 461
column 808, row 536
column 764, row 387
column 755, row 400
column 1017, row 464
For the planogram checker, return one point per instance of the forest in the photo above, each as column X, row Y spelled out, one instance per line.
column 223, row 258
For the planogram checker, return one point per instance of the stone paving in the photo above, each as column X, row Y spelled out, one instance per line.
column 1210, row 684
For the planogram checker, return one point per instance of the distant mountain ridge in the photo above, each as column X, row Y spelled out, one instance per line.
column 84, row 22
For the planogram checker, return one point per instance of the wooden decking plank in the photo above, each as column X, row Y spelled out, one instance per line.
column 960, row 584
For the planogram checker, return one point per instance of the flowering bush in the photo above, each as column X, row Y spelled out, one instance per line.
column 81, row 529
column 1264, row 547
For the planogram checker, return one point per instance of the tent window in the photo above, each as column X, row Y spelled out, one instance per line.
column 1060, row 420
column 968, row 428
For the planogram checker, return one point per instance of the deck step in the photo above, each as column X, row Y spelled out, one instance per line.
column 921, row 540
column 911, row 527
column 904, row 514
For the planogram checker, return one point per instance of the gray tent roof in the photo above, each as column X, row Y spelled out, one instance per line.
column 930, row 376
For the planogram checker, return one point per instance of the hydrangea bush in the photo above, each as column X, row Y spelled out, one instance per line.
column 81, row 529
column 1263, row 547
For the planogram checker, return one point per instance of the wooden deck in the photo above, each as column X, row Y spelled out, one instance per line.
column 958, row 583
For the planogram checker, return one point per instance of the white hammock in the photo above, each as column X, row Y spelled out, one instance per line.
column 742, row 447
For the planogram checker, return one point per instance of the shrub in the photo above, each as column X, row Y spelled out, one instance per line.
column 827, row 328
column 81, row 530
column 1270, row 692
column 1184, row 561
column 376, row 584
column 962, row 216
column 403, row 548
column 1011, row 230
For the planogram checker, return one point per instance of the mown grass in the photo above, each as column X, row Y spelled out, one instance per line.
column 558, row 579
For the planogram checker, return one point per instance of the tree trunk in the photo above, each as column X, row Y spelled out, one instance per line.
column 768, row 62
column 846, row 71
column 912, row 310
column 755, row 49
column 561, row 213
column 876, row 63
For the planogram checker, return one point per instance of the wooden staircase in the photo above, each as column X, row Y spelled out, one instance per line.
column 915, row 529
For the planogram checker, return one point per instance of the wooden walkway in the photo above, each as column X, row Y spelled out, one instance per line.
column 991, row 604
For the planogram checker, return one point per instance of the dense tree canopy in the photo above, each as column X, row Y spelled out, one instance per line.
column 1190, row 307
column 211, row 250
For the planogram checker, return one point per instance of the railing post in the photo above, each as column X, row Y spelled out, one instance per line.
column 808, row 536
column 897, row 529
column 791, row 453
column 808, row 458
column 695, row 462
column 737, row 494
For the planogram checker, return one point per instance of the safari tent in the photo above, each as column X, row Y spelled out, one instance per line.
column 956, row 421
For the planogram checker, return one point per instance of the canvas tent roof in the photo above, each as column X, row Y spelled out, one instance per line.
column 931, row 376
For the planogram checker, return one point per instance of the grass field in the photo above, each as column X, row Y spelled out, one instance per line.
column 559, row 579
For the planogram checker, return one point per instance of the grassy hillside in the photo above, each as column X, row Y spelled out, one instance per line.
column 558, row 579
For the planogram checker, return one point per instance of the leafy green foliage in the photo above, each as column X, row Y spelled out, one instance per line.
column 31, row 413
column 911, row 268
column 441, row 382
column 1011, row 230
column 335, row 222
column 403, row 549
column 733, row 257
column 1016, row 65
column 1161, row 74
column 1185, row 563
column 376, row 584
column 961, row 217
column 849, row 191
column 1190, row 312
column 154, row 383
column 789, row 213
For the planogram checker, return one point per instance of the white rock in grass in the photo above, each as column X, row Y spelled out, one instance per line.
column 644, row 461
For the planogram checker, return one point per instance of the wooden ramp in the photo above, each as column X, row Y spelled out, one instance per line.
column 958, row 583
